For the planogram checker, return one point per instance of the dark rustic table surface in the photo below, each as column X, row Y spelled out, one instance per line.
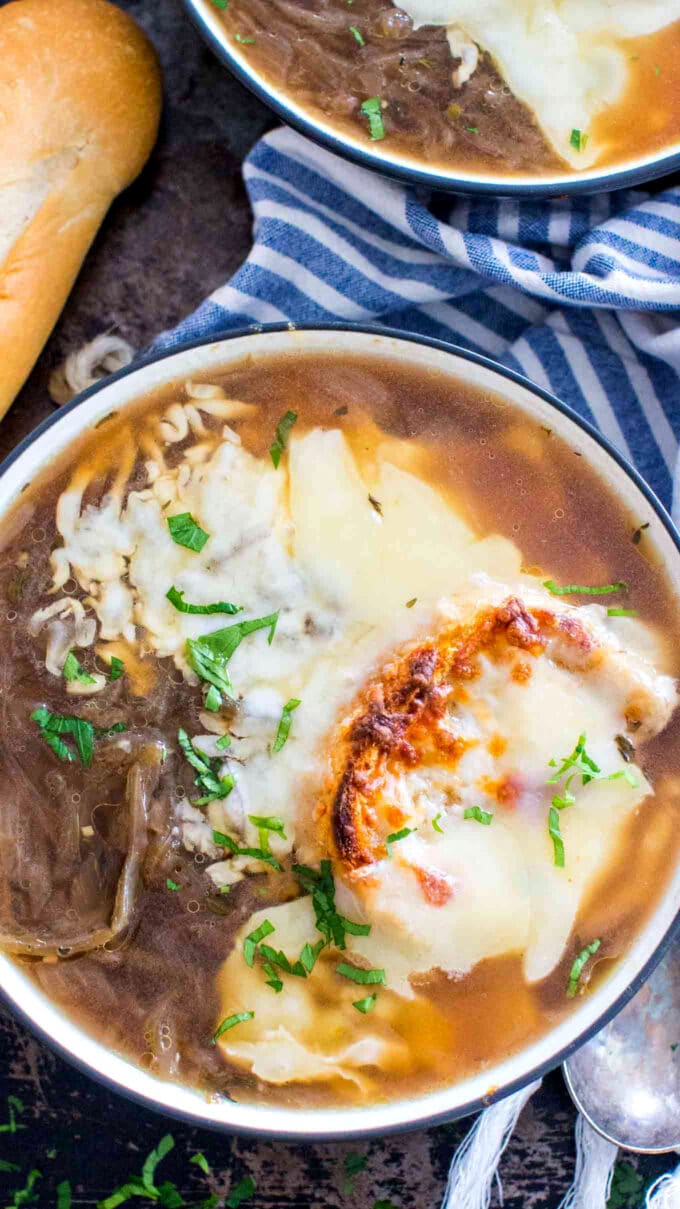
column 180, row 231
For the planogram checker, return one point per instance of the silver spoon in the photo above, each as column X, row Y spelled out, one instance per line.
column 626, row 1080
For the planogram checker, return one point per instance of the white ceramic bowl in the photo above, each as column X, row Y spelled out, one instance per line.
column 379, row 156
column 49, row 1022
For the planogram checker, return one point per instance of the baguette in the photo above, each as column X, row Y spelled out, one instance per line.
column 80, row 99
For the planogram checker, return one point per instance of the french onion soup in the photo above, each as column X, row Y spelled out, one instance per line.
column 339, row 743
column 501, row 87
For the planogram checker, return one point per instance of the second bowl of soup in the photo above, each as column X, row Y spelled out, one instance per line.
column 506, row 96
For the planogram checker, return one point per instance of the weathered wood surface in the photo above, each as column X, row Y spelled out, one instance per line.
column 177, row 234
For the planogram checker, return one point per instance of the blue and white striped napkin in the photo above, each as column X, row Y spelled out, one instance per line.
column 579, row 294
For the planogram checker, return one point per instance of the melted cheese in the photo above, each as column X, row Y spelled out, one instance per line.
column 565, row 59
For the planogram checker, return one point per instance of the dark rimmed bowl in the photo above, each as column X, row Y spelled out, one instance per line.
column 378, row 156
column 500, row 1079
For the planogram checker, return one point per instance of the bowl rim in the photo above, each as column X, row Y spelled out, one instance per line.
column 423, row 1120
column 644, row 169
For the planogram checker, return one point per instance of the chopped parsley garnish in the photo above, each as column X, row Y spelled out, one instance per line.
column 579, row 965
column 320, row 885
column 230, row 1022
column 578, row 139
column 172, row 885
column 372, row 109
column 221, row 4
column 184, row 531
column 242, row 1192
column 223, row 742
column 353, row 1165
column 253, row 939
column 396, row 836
column 244, row 41
column 266, row 823
column 410, row 603
column 208, row 770
column 622, row 612
column 144, row 1185
column 578, row 763
column 283, row 431
column 472, row 129
column 583, row 589
column 480, row 816
column 627, row 1187
column 210, row 654
column 201, row 1161
column 176, row 598
column 73, row 670
column 15, row 1107
column 285, row 723
column 84, row 733
column 556, row 836
column 213, row 699
column 363, row 977
column 64, row 1195
column 375, row 504
column 116, row 668
column 365, row 1005
column 357, row 35
column 256, row 854
column 26, row 1195
column 435, row 823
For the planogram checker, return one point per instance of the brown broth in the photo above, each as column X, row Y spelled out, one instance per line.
column 306, row 49
column 155, row 994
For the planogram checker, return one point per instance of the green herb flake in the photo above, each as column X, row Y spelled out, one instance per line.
column 372, row 110
column 283, row 431
column 285, row 723
column 26, row 1195
column 579, row 965
column 74, row 671
column 578, row 139
column 15, row 1108
column 213, row 699
column 472, row 129
column 622, row 612
column 210, row 654
column 5, row 1164
column 221, row 4
column 265, row 824
column 216, row 786
column 224, row 742
column 365, row 1005
column 230, row 1022
column 627, row 1187
column 556, row 836
column 244, row 41
column 116, row 668
column 257, row 854
column 242, row 1192
column 357, row 35
column 480, row 816
column 396, row 836
column 201, row 1161
column 185, row 532
column 362, row 977
column 435, row 823
column 584, row 589
column 176, row 598
column 172, row 885
column 384, row 1205
column 51, row 726
column 253, row 939
column 321, row 886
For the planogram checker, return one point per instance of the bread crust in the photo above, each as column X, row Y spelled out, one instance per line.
column 80, row 100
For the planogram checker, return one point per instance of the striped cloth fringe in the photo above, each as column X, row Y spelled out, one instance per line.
column 580, row 294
